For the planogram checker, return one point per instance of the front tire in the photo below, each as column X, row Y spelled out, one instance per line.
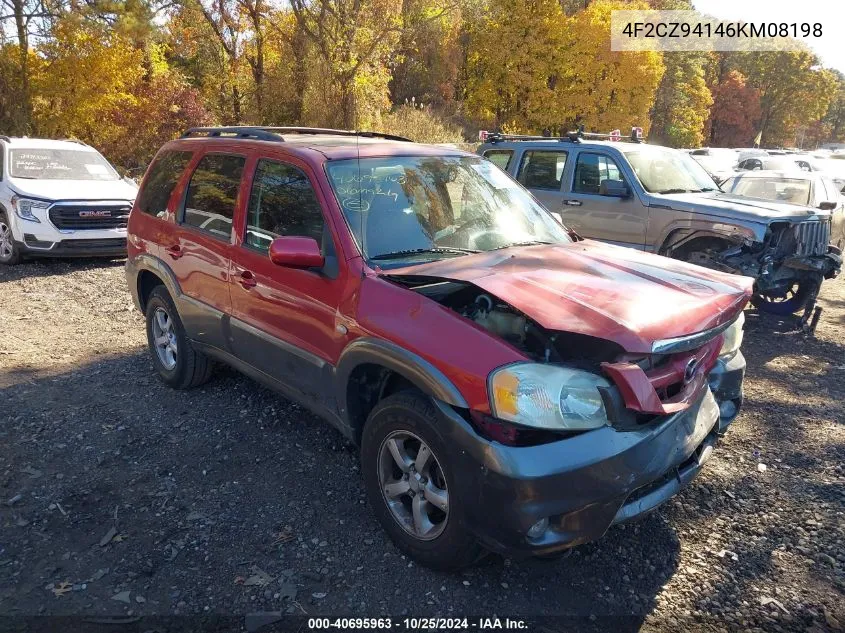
column 792, row 300
column 178, row 364
column 10, row 252
column 411, row 486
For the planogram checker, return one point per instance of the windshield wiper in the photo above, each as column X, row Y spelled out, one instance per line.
column 526, row 243
column 680, row 191
column 417, row 251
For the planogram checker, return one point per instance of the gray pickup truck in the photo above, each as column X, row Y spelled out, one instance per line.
column 660, row 200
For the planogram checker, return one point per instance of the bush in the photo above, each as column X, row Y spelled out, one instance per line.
column 420, row 124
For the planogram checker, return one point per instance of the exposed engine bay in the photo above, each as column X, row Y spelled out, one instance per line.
column 506, row 322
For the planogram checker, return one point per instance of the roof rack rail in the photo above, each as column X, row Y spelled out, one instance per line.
column 74, row 140
column 244, row 131
column 262, row 133
column 573, row 136
column 3, row 137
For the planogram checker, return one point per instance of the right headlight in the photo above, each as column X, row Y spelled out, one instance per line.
column 733, row 337
column 24, row 208
column 548, row 397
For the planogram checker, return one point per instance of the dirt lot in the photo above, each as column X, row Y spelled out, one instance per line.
column 119, row 496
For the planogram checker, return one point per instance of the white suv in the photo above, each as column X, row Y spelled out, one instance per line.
column 60, row 198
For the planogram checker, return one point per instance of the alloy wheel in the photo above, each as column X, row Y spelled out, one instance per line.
column 6, row 246
column 413, row 485
column 164, row 338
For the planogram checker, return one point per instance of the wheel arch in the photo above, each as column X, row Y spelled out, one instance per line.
column 370, row 369
column 145, row 272
column 677, row 236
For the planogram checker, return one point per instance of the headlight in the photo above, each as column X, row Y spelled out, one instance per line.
column 733, row 336
column 548, row 397
column 24, row 208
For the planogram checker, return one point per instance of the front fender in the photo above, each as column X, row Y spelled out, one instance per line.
column 681, row 231
column 420, row 372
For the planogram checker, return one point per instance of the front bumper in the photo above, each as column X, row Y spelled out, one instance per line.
column 586, row 483
column 111, row 246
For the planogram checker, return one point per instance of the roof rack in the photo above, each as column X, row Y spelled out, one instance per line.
column 275, row 133
column 3, row 137
column 75, row 140
column 573, row 136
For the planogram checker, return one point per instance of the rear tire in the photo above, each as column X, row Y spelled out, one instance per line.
column 402, row 424
column 178, row 364
column 10, row 251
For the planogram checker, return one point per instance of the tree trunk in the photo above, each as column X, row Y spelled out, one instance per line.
column 25, row 111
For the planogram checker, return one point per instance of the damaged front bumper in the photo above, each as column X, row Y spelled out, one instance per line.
column 584, row 484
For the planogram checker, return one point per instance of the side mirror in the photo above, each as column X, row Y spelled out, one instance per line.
column 614, row 189
column 827, row 205
column 296, row 252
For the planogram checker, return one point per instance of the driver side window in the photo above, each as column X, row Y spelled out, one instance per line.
column 282, row 202
column 593, row 169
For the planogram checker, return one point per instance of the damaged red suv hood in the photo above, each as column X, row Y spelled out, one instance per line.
column 610, row 292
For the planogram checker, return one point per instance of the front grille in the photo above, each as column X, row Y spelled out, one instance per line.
column 106, row 244
column 811, row 238
column 81, row 216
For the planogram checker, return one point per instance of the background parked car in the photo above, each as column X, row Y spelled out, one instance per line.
column 719, row 162
column 60, row 198
column 814, row 190
column 659, row 199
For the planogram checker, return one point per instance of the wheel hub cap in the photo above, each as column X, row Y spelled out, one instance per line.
column 164, row 338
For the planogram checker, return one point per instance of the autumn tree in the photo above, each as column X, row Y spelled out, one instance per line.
column 513, row 63
column 602, row 88
column 793, row 89
column 735, row 112
column 353, row 42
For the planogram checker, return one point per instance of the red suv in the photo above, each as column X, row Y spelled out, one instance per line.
column 511, row 385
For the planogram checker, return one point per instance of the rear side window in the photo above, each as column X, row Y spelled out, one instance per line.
column 161, row 180
column 501, row 158
column 213, row 192
column 542, row 169
column 282, row 203
column 593, row 169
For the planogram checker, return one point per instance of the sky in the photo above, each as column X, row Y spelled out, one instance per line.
column 830, row 13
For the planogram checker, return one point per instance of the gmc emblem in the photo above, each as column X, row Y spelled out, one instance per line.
column 94, row 214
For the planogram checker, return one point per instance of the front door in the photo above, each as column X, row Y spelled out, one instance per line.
column 199, row 249
column 283, row 319
column 597, row 216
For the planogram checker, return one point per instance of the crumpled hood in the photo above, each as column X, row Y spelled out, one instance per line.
column 75, row 189
column 730, row 205
column 610, row 292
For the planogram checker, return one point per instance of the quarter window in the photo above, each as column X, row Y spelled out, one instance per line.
column 593, row 169
column 160, row 182
column 501, row 158
column 282, row 202
column 542, row 170
column 213, row 192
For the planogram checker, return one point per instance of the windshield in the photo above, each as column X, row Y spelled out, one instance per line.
column 430, row 207
column 664, row 170
column 792, row 190
column 59, row 164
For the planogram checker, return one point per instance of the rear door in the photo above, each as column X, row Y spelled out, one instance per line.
column 199, row 249
column 541, row 171
column 283, row 319
column 622, row 221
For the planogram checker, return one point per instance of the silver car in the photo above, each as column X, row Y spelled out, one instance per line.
column 659, row 199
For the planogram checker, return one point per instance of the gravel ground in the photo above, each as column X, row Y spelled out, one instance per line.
column 119, row 496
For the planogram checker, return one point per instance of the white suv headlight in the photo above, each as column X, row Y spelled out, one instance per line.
column 24, row 208
column 548, row 397
column 733, row 336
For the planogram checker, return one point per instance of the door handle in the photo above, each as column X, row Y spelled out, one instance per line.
column 175, row 251
column 247, row 280
column 572, row 203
